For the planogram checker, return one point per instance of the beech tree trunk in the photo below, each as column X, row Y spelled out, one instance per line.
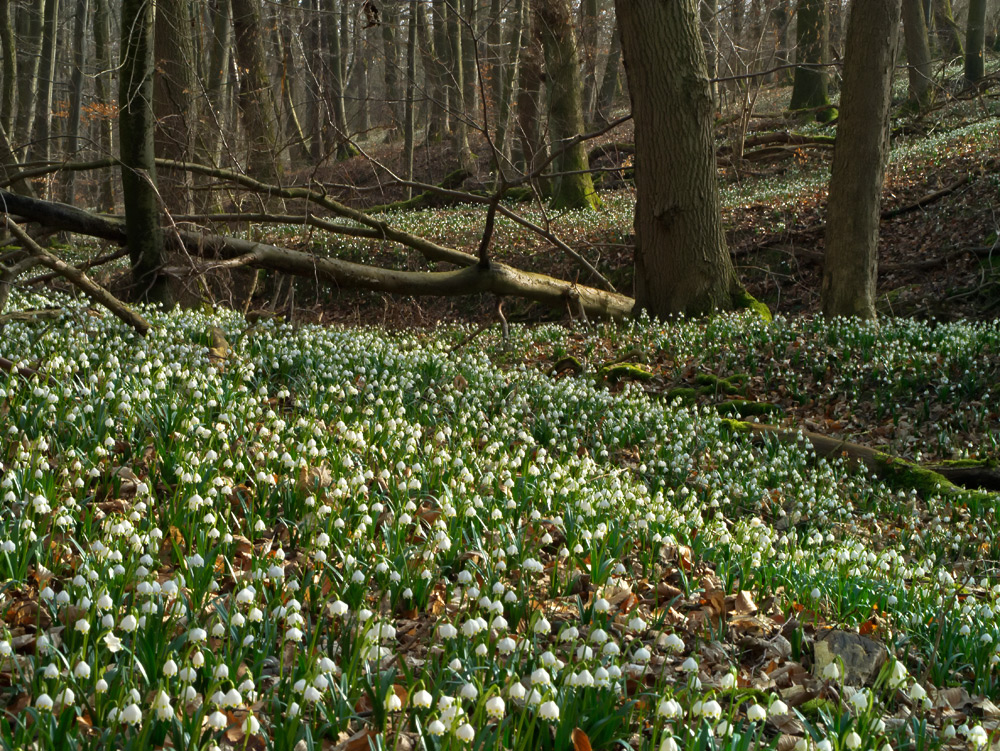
column 809, row 90
column 29, row 40
column 918, row 54
column 682, row 265
column 611, row 80
column 531, row 148
column 76, row 93
column 41, row 132
column 572, row 186
column 709, row 12
column 174, row 100
column 256, row 98
column 8, row 96
column 135, row 123
column 588, row 51
column 102, row 92
column 508, row 74
column 459, row 114
column 948, row 34
column 860, row 156
column 975, row 42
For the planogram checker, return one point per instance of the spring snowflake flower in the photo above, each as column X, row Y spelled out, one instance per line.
column 112, row 642
column 44, row 702
column 495, row 708
column 465, row 733
column 831, row 672
column 422, row 699
column 436, row 728
column 674, row 643
column 217, row 720
column 853, row 741
column 669, row 744
column 131, row 715
column 549, row 711
column 542, row 626
column 711, row 710
column 669, row 709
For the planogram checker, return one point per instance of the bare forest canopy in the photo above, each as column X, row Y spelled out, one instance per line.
column 193, row 120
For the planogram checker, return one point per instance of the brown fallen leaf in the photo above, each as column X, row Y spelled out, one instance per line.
column 580, row 740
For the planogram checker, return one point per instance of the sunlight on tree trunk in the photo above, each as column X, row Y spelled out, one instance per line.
column 859, row 159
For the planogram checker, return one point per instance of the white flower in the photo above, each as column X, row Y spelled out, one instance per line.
column 756, row 713
column 711, row 710
column 540, row 678
column 447, row 631
column 82, row 670
column 549, row 711
column 778, row 708
column 728, row 681
column 251, row 725
column 506, row 645
column 112, row 642
column 82, row 625
column 917, row 692
column 690, row 665
column 436, row 728
column 217, row 720
column 469, row 692
column 393, row 703
column 129, row 624
column 516, row 691
column 831, row 672
column 853, row 741
column 542, row 626
column 465, row 733
column 859, row 700
column 131, row 715
column 44, row 702
column 669, row 708
column 495, row 708
column 669, row 744
column 674, row 643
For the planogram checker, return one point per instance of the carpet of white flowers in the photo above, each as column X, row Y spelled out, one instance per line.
column 330, row 538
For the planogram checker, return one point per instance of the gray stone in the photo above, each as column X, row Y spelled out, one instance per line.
column 859, row 658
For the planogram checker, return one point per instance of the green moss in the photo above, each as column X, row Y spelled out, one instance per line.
column 746, row 301
column 568, row 363
column 734, row 427
column 686, row 395
column 713, row 384
column 625, row 371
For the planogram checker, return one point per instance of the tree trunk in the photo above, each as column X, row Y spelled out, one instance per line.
column 508, row 75
column 335, row 87
column 218, row 92
column 256, row 98
column 136, row 122
column 836, row 11
column 313, row 49
column 470, row 72
column 291, row 77
column 102, row 93
column 532, row 150
column 443, row 85
column 8, row 97
column 782, row 26
column 948, row 34
column 76, row 94
column 682, row 265
column 809, row 90
column 390, row 73
column 709, row 12
column 436, row 108
column 588, row 52
column 611, row 80
column 41, row 132
column 573, row 186
column 918, row 54
column 174, row 100
column 411, row 82
column 975, row 42
column 860, row 156
column 29, row 36
column 459, row 115
column 494, row 62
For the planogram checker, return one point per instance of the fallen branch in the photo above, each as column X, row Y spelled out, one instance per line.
column 229, row 252
column 939, row 194
column 99, row 261
column 79, row 279
column 946, row 479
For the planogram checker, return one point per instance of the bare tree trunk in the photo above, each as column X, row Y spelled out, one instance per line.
column 918, row 54
column 390, row 73
column 136, row 122
column 682, row 265
column 470, row 74
column 174, row 100
column 411, row 82
column 256, row 98
column 8, row 97
column 860, row 156
column 813, row 36
column 219, row 95
column 29, row 28
column 948, row 34
column 76, row 94
column 573, row 186
column 710, row 40
column 41, row 133
column 335, row 87
column 975, row 42
column 588, row 53
column 291, row 76
column 102, row 92
column 444, row 86
column 836, row 11
column 508, row 74
column 611, row 81
column 312, row 44
column 459, row 116
column 532, row 149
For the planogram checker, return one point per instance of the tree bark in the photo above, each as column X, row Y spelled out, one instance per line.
column 335, row 86
column 29, row 35
column 174, row 102
column 682, row 265
column 470, row 72
column 256, row 97
column 809, row 90
column 948, row 34
column 41, row 145
column 76, row 93
column 390, row 72
column 443, row 85
column 588, row 53
column 136, row 123
column 409, row 126
column 507, row 76
column 572, row 186
column 862, row 150
column 102, row 93
column 975, row 42
column 8, row 96
column 611, row 80
column 709, row 12
column 918, row 54
column 459, row 114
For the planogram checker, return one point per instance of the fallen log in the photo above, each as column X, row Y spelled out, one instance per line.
column 947, row 479
column 217, row 251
